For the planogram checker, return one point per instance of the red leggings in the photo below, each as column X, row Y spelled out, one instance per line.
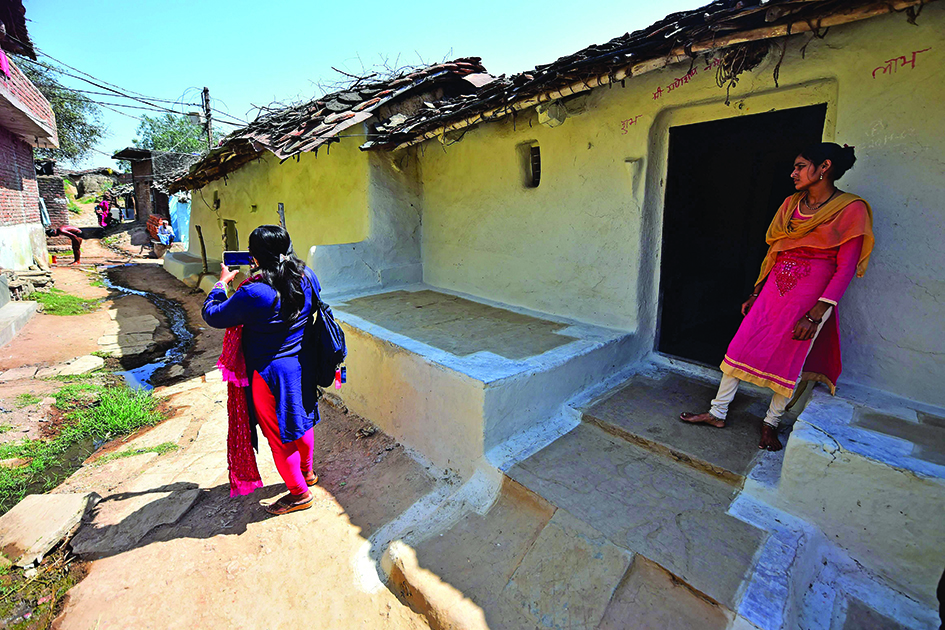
column 293, row 458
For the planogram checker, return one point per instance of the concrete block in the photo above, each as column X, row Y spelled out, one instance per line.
column 38, row 523
column 184, row 264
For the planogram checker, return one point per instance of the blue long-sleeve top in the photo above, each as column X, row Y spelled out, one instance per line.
column 271, row 347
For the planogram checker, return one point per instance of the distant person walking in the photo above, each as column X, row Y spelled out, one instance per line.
column 265, row 320
column 819, row 239
column 74, row 234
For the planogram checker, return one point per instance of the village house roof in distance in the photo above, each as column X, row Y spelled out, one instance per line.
column 289, row 131
column 675, row 38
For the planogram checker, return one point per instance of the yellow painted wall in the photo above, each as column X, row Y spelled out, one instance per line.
column 568, row 247
column 325, row 197
column 585, row 244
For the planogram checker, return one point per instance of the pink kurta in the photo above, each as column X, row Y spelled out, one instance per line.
column 763, row 350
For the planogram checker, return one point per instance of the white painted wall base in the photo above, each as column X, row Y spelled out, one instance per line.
column 865, row 491
column 19, row 243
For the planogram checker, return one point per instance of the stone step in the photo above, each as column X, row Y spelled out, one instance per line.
column 645, row 411
column 649, row 505
column 525, row 564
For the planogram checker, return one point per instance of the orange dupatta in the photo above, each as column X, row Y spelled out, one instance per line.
column 835, row 228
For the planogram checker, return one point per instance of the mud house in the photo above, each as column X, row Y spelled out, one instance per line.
column 500, row 252
column 26, row 121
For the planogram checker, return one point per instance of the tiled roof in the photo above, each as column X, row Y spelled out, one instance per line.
column 293, row 130
column 675, row 38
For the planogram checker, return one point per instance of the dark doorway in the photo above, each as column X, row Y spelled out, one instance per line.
column 725, row 179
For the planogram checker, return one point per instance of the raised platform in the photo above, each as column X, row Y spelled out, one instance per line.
column 13, row 316
column 183, row 265
column 454, row 377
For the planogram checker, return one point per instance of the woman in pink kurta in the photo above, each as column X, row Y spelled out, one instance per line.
column 819, row 239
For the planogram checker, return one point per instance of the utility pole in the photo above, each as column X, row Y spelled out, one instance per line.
column 206, row 113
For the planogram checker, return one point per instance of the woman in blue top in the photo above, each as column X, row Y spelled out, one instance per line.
column 274, row 307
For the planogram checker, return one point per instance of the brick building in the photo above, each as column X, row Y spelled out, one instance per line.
column 53, row 191
column 26, row 121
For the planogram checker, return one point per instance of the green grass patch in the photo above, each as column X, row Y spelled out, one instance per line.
column 26, row 399
column 110, row 241
column 160, row 449
column 94, row 413
column 6, row 428
column 58, row 302
column 96, row 280
column 72, row 206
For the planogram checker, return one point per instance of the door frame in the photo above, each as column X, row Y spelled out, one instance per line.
column 824, row 91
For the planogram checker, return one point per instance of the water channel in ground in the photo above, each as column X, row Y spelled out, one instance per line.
column 140, row 377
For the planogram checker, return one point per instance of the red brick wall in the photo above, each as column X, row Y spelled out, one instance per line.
column 25, row 92
column 53, row 192
column 19, row 194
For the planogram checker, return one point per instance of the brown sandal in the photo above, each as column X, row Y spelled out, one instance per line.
column 310, row 478
column 287, row 504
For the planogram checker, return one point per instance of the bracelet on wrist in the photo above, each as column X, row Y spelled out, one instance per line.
column 812, row 320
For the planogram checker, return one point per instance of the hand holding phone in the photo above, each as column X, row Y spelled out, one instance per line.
column 237, row 259
column 226, row 275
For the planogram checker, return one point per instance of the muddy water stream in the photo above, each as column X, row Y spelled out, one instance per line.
column 140, row 377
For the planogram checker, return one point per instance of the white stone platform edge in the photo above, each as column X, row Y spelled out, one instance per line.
column 801, row 579
column 13, row 317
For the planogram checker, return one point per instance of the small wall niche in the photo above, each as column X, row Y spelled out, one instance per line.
column 231, row 237
column 530, row 159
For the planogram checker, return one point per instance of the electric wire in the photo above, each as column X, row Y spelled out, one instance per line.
column 116, row 93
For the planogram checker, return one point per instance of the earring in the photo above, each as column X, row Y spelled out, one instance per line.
column 821, row 176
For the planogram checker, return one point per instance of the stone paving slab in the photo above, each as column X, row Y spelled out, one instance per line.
column 650, row 599
column 497, row 539
column 38, row 523
column 82, row 365
column 646, row 411
column 16, row 374
column 567, row 578
column 647, row 504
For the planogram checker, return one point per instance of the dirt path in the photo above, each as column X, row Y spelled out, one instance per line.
column 169, row 547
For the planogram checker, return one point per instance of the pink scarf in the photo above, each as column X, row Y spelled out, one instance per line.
column 240, row 458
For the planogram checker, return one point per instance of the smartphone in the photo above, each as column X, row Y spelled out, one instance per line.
column 237, row 259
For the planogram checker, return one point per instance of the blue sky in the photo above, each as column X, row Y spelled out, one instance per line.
column 259, row 52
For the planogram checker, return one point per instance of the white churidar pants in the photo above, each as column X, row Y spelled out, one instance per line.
column 779, row 403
